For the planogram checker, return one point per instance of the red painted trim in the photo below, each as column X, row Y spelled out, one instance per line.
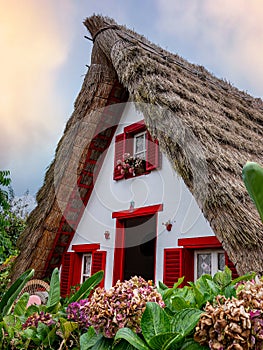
column 125, row 214
column 200, row 242
column 85, row 248
column 172, row 265
column 118, row 252
column 77, row 267
column 135, row 128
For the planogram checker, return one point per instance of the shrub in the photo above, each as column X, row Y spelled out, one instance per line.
column 235, row 323
column 120, row 306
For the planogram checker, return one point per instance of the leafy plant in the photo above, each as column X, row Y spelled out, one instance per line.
column 161, row 331
column 13, row 213
column 12, row 293
column 198, row 293
column 253, row 179
column 40, row 326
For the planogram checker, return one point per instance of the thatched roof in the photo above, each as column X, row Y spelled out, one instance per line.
column 208, row 131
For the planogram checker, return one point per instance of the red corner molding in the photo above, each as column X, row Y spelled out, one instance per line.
column 200, row 242
column 125, row 214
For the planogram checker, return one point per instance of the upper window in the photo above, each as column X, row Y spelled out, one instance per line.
column 136, row 153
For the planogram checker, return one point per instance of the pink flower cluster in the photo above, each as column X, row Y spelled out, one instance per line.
column 128, row 164
column 120, row 306
column 36, row 317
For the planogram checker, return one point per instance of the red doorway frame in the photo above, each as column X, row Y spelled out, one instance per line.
column 120, row 235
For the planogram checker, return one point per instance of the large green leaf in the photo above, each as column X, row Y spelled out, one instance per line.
column 247, row 277
column 21, row 305
column 157, row 342
column 168, row 292
column 185, row 321
column 201, row 283
column 173, row 342
column 253, row 178
column 215, row 290
column 201, row 298
column 103, row 344
column 132, row 338
column 223, row 278
column 123, row 345
column 12, row 293
column 54, row 291
column 154, row 321
column 87, row 287
column 89, row 339
column 178, row 303
column 190, row 344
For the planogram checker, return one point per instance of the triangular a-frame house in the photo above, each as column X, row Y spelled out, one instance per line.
column 205, row 129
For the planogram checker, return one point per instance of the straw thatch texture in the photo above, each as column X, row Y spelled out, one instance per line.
column 207, row 128
column 201, row 111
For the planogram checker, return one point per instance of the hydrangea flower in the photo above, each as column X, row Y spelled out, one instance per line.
column 36, row 317
column 120, row 306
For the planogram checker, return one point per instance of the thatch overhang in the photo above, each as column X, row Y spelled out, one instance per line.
column 207, row 128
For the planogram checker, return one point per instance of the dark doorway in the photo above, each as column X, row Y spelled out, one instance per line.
column 139, row 250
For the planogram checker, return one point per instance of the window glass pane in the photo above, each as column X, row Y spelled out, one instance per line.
column 203, row 264
column 140, row 145
column 221, row 261
column 86, row 266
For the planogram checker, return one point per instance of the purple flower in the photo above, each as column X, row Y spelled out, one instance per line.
column 120, row 306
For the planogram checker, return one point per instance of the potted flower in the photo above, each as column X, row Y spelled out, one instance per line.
column 130, row 165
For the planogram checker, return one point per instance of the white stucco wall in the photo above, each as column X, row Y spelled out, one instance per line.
column 161, row 186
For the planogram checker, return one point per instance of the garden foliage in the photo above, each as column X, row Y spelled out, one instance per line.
column 131, row 315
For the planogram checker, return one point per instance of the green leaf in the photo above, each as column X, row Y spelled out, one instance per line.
column 30, row 333
column 87, row 287
column 223, row 278
column 246, row 277
column 215, row 290
column 190, row 344
column 154, row 321
column 161, row 287
column 42, row 331
column 50, row 338
column 178, row 303
column 185, row 321
column 159, row 340
column 173, row 342
column 253, row 178
column 89, row 339
column 167, row 292
column 20, row 306
column 132, row 338
column 201, row 283
column 103, row 344
column 12, row 293
column 54, row 292
column 123, row 345
column 67, row 327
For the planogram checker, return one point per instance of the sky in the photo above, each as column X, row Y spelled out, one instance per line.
column 44, row 56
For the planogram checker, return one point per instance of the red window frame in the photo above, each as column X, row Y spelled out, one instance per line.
column 124, row 144
column 179, row 262
column 72, row 265
column 119, row 249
